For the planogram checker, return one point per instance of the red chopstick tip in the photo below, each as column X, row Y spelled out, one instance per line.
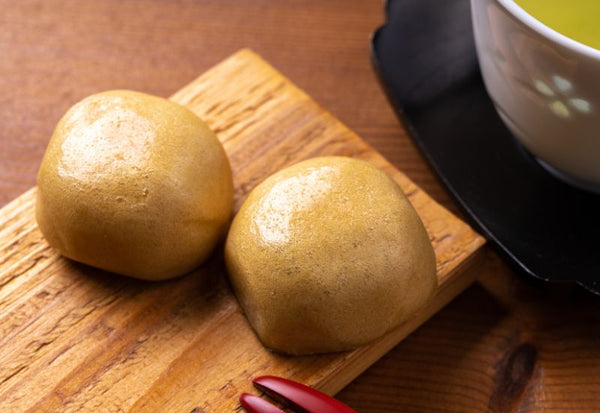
column 299, row 395
column 254, row 404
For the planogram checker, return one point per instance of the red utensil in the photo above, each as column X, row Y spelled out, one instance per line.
column 296, row 396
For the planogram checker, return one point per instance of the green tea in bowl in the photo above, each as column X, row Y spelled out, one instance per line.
column 540, row 61
column 577, row 19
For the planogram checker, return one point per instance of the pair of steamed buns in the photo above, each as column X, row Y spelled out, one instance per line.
column 323, row 256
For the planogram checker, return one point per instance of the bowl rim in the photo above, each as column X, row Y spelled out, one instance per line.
column 534, row 24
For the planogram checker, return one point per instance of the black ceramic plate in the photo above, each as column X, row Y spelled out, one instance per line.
column 425, row 57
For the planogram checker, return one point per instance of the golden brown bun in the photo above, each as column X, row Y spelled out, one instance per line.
column 328, row 255
column 134, row 184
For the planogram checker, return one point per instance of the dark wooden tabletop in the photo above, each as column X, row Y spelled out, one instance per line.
column 505, row 344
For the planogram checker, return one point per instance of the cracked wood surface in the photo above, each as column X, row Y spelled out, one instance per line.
column 73, row 338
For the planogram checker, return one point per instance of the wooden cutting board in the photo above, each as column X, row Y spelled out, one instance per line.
column 73, row 338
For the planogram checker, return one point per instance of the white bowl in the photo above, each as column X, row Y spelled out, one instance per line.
column 546, row 88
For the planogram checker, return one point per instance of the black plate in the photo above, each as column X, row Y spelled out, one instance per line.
column 426, row 61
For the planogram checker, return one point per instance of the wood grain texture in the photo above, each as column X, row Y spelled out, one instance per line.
column 505, row 345
column 55, row 52
column 77, row 339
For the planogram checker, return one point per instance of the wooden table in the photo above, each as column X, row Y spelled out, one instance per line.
column 505, row 344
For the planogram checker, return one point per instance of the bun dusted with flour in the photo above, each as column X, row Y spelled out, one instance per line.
column 328, row 255
column 134, row 184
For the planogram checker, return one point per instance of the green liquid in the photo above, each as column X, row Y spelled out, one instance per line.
column 577, row 19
